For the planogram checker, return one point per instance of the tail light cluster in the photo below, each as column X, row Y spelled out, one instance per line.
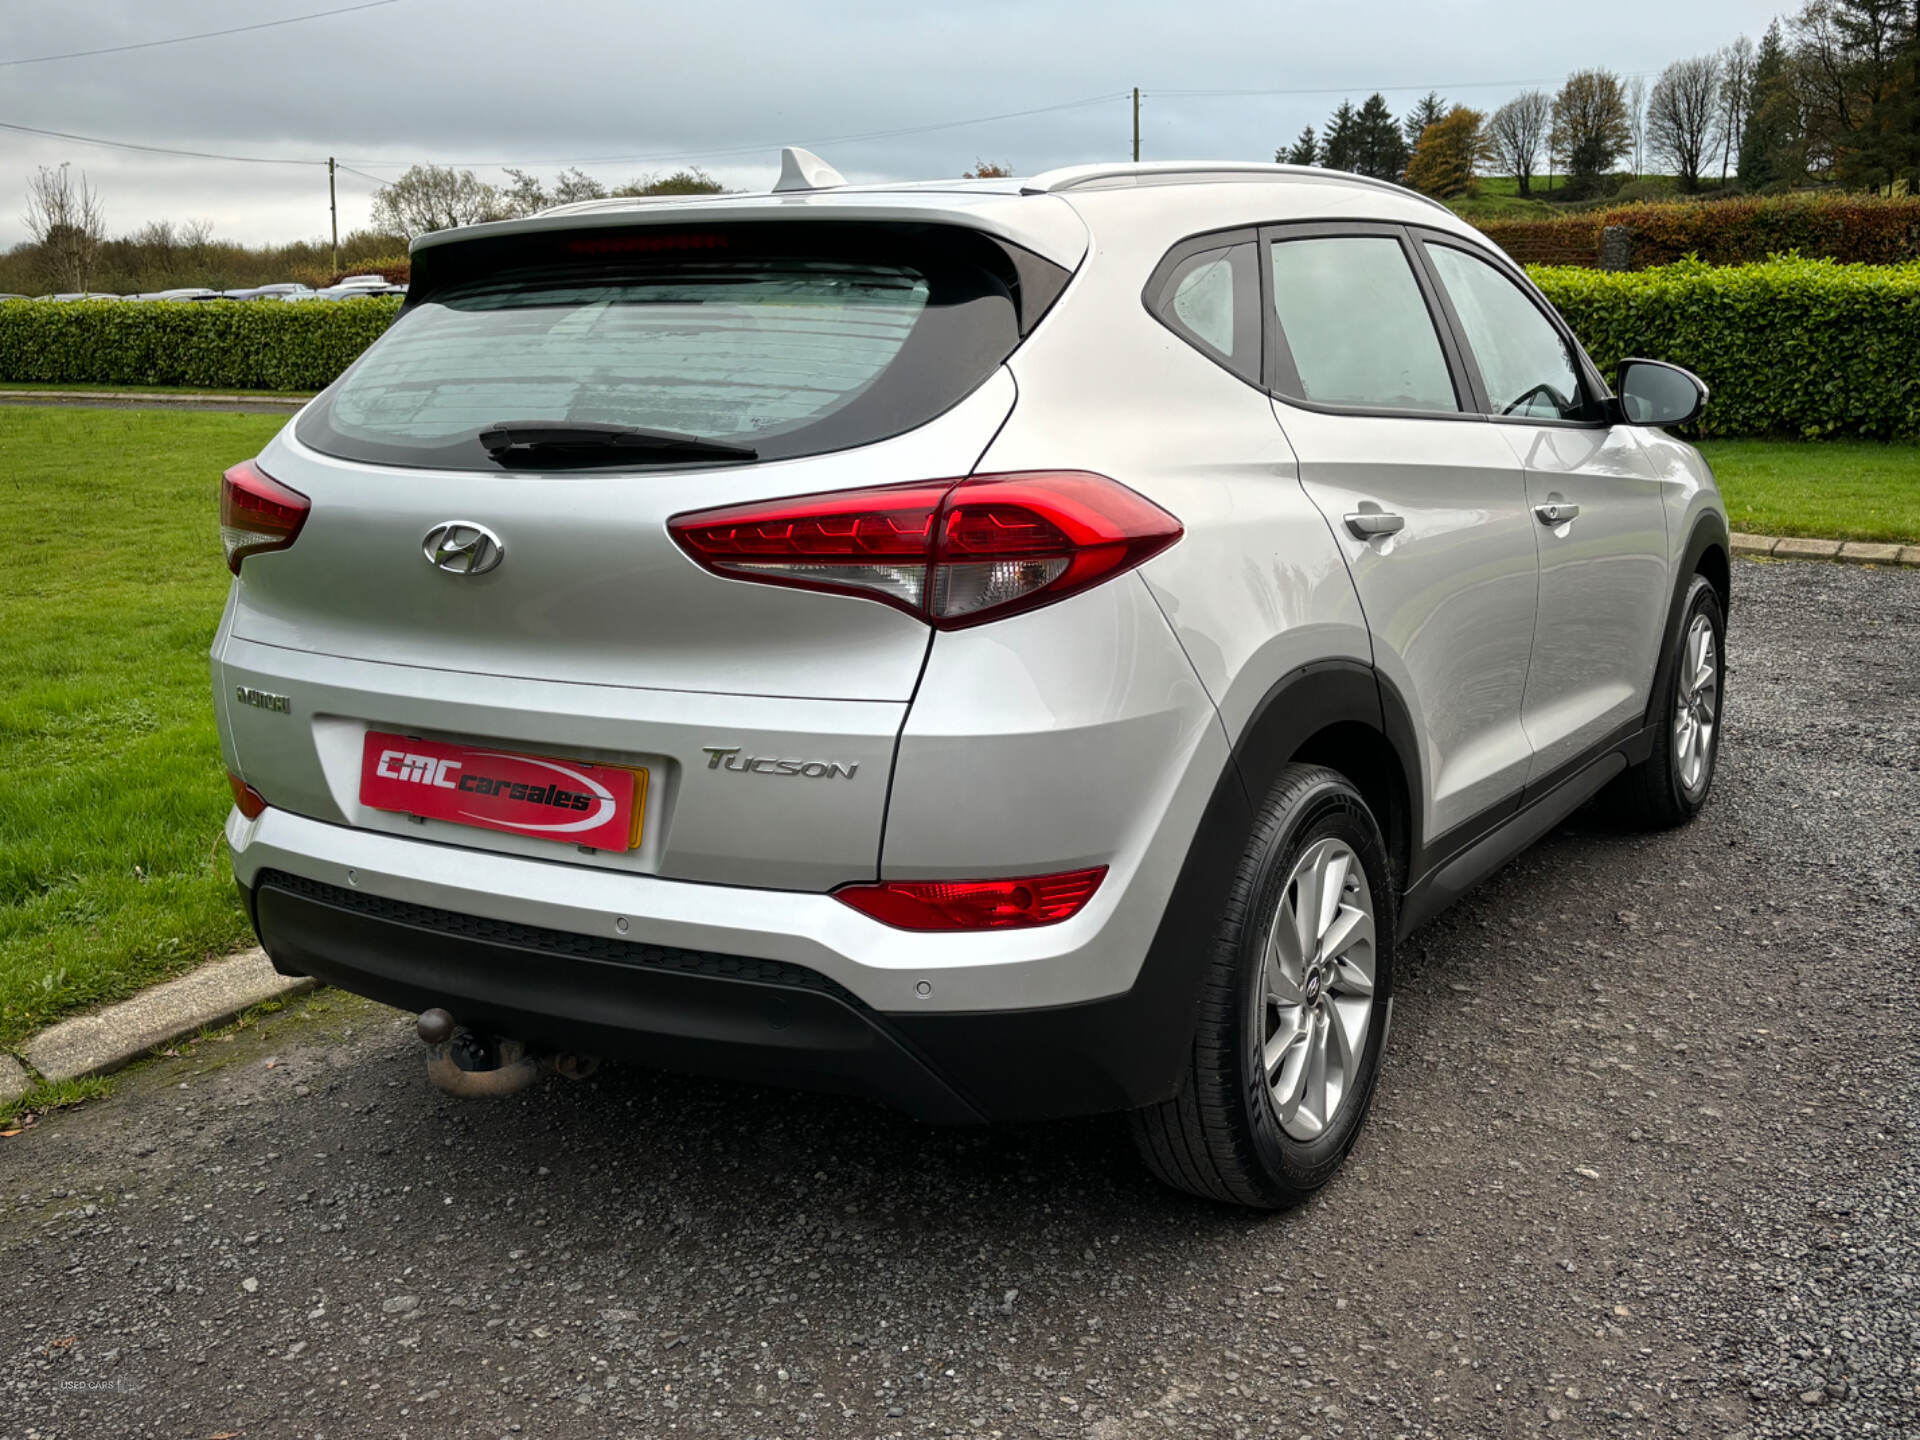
column 975, row 904
column 250, row 800
column 257, row 513
column 950, row 552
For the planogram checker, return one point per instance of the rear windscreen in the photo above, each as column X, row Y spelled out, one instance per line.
column 784, row 340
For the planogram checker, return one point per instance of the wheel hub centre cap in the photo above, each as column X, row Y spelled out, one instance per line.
column 1312, row 988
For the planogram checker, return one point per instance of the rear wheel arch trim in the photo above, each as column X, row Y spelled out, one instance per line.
column 1315, row 699
column 1154, row 1021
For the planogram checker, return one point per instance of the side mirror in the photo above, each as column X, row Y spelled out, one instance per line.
column 1653, row 392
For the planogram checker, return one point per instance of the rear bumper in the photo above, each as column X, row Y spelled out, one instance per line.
column 700, row 1012
column 678, row 1009
column 1092, row 1014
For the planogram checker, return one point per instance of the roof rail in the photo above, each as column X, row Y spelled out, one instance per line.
column 1078, row 177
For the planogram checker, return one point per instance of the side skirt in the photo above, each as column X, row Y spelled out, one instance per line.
column 1543, row 805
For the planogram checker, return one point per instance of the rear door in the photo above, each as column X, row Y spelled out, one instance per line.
column 1599, row 520
column 1425, row 498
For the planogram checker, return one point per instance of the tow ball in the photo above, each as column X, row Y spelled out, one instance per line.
column 477, row 1066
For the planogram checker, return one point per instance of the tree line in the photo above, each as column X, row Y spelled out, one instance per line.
column 439, row 197
column 1829, row 97
column 68, row 250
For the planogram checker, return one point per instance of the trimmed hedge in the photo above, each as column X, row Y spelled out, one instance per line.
column 1858, row 229
column 1790, row 347
column 1557, row 240
column 217, row 345
column 1796, row 347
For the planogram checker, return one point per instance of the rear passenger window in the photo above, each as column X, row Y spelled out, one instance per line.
column 1354, row 327
column 1211, row 299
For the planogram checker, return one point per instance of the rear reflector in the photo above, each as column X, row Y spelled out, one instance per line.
column 250, row 800
column 951, row 552
column 257, row 513
column 974, row 904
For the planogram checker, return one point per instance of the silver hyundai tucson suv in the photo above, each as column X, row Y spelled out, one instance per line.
column 1010, row 649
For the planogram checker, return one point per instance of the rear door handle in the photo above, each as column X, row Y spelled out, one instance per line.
column 1556, row 512
column 1371, row 524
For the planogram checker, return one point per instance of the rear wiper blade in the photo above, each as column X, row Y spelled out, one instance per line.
column 579, row 440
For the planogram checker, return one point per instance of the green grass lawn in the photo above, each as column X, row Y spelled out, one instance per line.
column 1829, row 489
column 113, row 873
column 112, row 868
column 155, row 389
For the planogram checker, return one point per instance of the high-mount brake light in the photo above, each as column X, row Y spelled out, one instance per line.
column 1015, row 904
column 257, row 513
column 632, row 244
column 951, row 552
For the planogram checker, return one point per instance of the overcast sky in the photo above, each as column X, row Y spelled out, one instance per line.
column 628, row 89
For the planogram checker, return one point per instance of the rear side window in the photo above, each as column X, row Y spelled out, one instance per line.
column 1210, row 297
column 1354, row 327
column 761, row 338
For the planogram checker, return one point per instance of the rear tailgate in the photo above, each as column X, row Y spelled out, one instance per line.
column 763, row 720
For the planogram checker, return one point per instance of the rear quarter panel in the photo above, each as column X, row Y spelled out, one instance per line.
column 1257, row 586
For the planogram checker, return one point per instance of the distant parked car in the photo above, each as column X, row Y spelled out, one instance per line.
column 280, row 290
column 188, row 292
column 5, row 298
column 345, row 291
column 85, row 295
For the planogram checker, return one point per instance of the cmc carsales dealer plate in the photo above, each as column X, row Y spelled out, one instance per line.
column 565, row 800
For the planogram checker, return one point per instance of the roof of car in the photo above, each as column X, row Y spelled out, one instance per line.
column 1030, row 211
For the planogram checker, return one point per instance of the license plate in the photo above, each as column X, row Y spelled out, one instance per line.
column 599, row 806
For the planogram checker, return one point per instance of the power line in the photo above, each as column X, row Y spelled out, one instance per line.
column 1382, row 89
column 694, row 156
column 758, row 148
column 763, row 146
column 156, row 149
column 203, row 35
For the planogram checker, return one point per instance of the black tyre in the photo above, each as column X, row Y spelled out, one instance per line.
column 1294, row 1009
column 1670, row 785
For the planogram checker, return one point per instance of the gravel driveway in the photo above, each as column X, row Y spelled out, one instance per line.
column 1643, row 1163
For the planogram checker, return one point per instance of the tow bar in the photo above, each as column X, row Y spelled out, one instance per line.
column 474, row 1066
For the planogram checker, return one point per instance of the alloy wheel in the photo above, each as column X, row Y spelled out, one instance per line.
column 1696, row 706
column 1316, row 989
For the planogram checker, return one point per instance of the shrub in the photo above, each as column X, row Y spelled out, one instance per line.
column 1647, row 187
column 1862, row 229
column 238, row 345
column 1789, row 347
column 1859, row 229
column 394, row 269
column 1561, row 240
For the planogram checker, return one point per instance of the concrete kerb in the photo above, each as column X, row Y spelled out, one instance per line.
column 1847, row 552
column 104, row 1041
column 14, row 1080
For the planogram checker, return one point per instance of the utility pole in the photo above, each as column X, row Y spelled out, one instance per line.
column 333, row 207
column 1136, row 124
